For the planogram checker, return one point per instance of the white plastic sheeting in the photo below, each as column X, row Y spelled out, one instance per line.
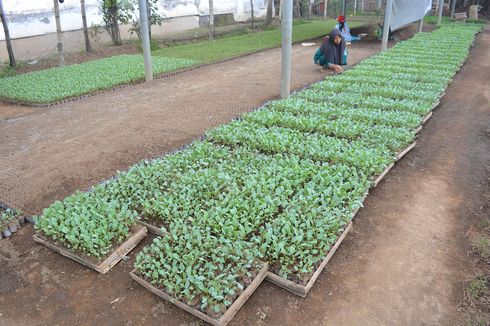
column 408, row 11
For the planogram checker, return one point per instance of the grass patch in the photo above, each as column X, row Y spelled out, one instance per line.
column 481, row 247
column 54, row 84
column 477, row 287
column 247, row 43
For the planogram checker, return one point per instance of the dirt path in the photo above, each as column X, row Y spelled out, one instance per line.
column 403, row 263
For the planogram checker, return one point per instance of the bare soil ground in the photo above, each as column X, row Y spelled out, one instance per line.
column 405, row 262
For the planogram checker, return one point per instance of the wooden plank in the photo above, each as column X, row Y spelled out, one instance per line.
column 418, row 129
column 152, row 229
column 382, row 175
column 286, row 284
column 227, row 316
column 427, row 117
column 106, row 264
column 303, row 290
column 434, row 105
column 408, row 149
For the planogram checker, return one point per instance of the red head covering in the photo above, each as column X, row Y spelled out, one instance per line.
column 341, row 19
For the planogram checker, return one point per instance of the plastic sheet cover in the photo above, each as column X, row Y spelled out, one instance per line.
column 408, row 11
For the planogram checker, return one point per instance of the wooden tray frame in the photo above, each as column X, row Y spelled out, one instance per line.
column 230, row 312
column 435, row 105
column 405, row 151
column 426, row 118
column 354, row 212
column 303, row 290
column 110, row 261
column 151, row 228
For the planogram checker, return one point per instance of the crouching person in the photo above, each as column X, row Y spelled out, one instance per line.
column 332, row 54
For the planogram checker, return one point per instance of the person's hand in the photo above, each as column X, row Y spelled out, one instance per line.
column 336, row 68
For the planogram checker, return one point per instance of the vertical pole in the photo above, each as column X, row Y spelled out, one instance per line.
column 362, row 6
column 439, row 14
column 355, row 7
column 344, row 8
column 252, row 8
column 211, row 20
column 386, row 25
column 287, row 33
column 378, row 5
column 453, row 8
column 85, row 29
column 325, row 10
column 421, row 24
column 58, row 32
column 145, row 36
column 7, row 37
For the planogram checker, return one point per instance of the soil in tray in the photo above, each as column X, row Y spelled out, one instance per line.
column 91, row 259
column 195, row 303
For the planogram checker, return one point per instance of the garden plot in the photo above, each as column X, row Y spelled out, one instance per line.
column 278, row 187
column 58, row 83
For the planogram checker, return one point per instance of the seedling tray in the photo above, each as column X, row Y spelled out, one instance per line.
column 302, row 290
column 139, row 232
column 230, row 312
column 151, row 228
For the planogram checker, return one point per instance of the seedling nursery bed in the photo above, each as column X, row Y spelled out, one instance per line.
column 101, row 266
column 229, row 313
column 302, row 290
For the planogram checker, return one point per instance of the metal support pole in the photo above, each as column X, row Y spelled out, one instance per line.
column 439, row 14
column 325, row 10
column 58, row 32
column 453, row 8
column 211, row 20
column 287, row 33
column 344, row 8
column 421, row 24
column 145, row 37
column 386, row 25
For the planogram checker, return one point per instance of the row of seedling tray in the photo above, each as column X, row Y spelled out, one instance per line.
column 270, row 195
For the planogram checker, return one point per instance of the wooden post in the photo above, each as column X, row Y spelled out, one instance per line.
column 58, row 32
column 85, row 28
column 268, row 16
column 7, row 37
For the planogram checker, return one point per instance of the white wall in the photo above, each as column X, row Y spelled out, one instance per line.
column 36, row 17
